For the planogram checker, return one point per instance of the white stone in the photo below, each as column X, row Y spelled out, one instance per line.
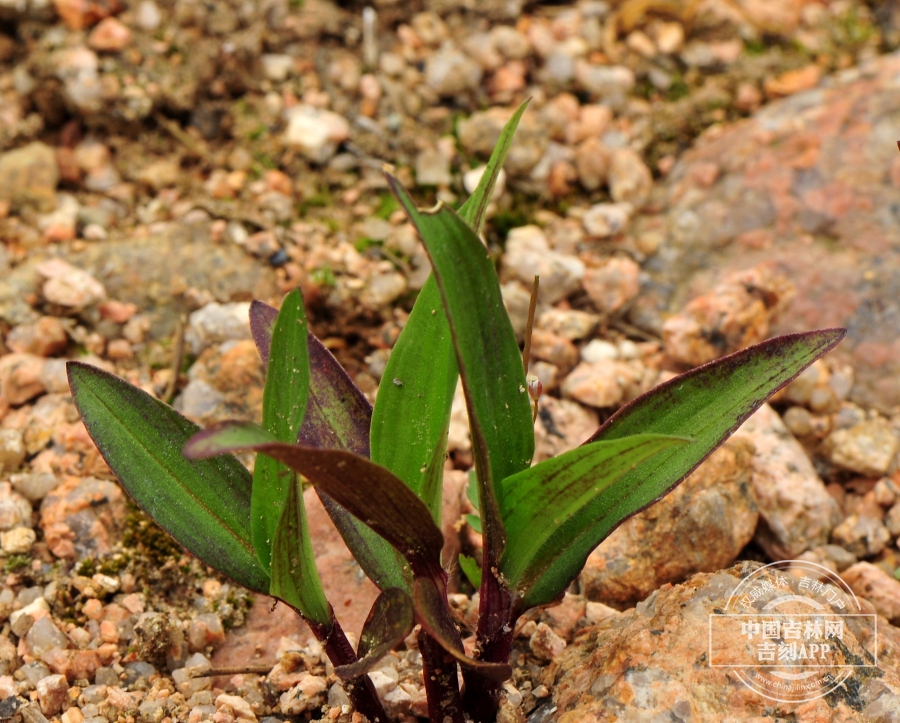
column 277, row 66
column 597, row 350
column 603, row 220
column 315, row 132
column 17, row 541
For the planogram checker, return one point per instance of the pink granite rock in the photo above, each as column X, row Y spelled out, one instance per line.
column 796, row 512
column 652, row 663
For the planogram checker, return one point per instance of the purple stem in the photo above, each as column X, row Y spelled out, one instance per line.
column 494, row 634
column 441, row 681
column 339, row 651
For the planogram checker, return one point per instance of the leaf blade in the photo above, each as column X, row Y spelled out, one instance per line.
column 559, row 488
column 338, row 416
column 474, row 209
column 487, row 354
column 754, row 374
column 204, row 505
column 294, row 577
column 366, row 490
column 284, row 406
column 389, row 622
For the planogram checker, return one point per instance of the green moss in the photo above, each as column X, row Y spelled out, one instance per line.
column 324, row 276
column 679, row 88
column 387, row 204
column 16, row 563
column 143, row 534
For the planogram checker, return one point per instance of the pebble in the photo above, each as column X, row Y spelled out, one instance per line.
column 545, row 644
column 18, row 541
column 45, row 337
column 879, row 588
column 315, row 132
column 109, row 35
column 867, row 448
column 34, row 486
column 69, row 286
column 12, row 450
column 432, row 168
column 607, row 219
column 592, row 160
column 383, row 288
column 52, row 693
column 598, row 350
column 528, row 253
column 736, row 313
column 59, row 225
column 861, row 535
column 21, row 378
column 630, row 180
column 216, row 323
column 148, row 16
column 277, row 66
column 450, row 72
column 555, row 349
column 613, row 284
column 28, row 177
column 607, row 83
column 569, row 323
column 606, row 383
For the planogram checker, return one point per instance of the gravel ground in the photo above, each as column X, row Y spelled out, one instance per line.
column 162, row 163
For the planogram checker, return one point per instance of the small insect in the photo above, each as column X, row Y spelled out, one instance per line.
column 397, row 383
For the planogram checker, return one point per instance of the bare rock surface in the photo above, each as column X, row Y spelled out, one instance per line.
column 806, row 184
column 651, row 662
column 796, row 512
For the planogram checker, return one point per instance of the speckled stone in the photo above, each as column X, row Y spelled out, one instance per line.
column 651, row 662
column 810, row 184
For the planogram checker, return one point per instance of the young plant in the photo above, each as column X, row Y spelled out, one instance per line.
column 379, row 471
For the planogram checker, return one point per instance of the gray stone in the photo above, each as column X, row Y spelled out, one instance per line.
column 867, row 448
column 216, row 323
column 28, row 177
column 450, row 72
column 528, row 253
column 432, row 168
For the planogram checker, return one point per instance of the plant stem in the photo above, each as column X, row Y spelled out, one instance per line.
column 529, row 325
column 339, row 651
column 441, row 681
column 482, row 695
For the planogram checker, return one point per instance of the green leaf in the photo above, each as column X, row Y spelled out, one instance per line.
column 707, row 404
column 473, row 210
column 366, row 490
column 294, row 577
column 338, row 416
column 470, row 570
column 390, row 621
column 204, row 505
column 538, row 501
column 487, row 353
column 284, row 406
column 412, row 409
column 422, row 369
